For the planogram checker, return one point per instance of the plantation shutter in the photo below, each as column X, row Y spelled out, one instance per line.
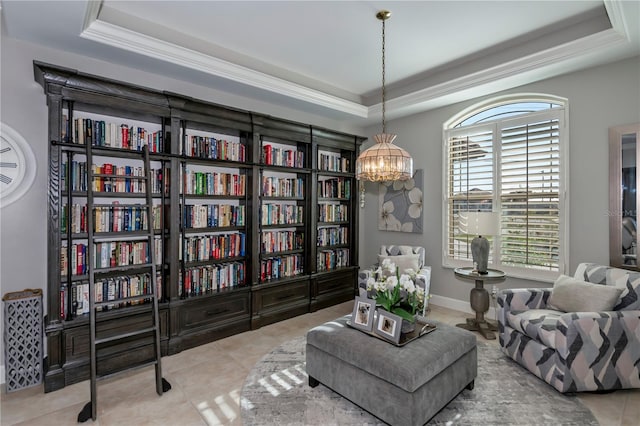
column 530, row 193
column 470, row 182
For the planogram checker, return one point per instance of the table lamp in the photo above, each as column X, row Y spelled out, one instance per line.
column 479, row 223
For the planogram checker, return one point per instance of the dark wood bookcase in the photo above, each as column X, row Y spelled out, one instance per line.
column 255, row 218
column 334, row 218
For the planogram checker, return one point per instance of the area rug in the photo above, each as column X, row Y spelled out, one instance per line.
column 276, row 392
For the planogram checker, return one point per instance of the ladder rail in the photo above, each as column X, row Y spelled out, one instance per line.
column 152, row 260
column 90, row 410
column 92, row 296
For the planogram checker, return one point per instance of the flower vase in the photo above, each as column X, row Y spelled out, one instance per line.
column 408, row 326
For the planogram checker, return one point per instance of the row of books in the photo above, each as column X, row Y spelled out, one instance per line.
column 333, row 163
column 106, row 255
column 332, row 259
column 212, row 215
column 275, row 268
column 333, row 236
column 334, row 188
column 211, row 278
column 214, row 149
column 213, row 183
column 110, row 254
column 121, row 218
column 125, row 182
column 74, row 257
column 74, row 218
column 282, row 187
column 74, row 176
column 275, row 156
column 275, row 241
column 74, row 300
column 333, row 212
column 213, row 247
column 87, row 131
column 281, row 214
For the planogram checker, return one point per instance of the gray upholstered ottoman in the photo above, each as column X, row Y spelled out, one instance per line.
column 400, row 385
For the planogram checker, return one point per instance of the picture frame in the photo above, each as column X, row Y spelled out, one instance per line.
column 388, row 326
column 363, row 313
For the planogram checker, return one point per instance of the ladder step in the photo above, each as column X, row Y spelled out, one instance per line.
column 125, row 299
column 102, row 175
column 125, row 335
column 122, row 268
column 128, row 369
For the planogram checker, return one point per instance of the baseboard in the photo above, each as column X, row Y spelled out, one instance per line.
column 461, row 305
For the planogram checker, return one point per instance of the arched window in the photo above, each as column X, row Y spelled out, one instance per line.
column 508, row 155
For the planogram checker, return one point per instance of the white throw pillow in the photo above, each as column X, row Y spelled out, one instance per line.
column 402, row 261
column 572, row 295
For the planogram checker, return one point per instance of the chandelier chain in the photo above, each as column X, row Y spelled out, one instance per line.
column 384, row 123
column 384, row 161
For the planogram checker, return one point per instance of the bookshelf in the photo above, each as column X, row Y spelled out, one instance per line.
column 335, row 218
column 280, row 288
column 212, row 296
column 255, row 219
column 98, row 238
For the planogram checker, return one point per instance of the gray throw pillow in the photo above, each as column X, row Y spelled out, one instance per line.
column 572, row 295
column 403, row 261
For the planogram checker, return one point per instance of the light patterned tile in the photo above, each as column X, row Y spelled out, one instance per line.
column 607, row 408
column 631, row 413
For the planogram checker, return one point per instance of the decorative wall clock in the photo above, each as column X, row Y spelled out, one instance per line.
column 17, row 165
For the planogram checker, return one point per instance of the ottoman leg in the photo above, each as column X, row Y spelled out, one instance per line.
column 313, row 382
column 469, row 386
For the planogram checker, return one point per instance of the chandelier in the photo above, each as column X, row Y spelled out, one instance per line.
column 384, row 161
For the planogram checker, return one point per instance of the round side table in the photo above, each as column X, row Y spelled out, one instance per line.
column 479, row 299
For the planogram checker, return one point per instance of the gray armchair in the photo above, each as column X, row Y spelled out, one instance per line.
column 405, row 257
column 576, row 351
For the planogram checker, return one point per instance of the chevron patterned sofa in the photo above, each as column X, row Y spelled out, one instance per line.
column 575, row 351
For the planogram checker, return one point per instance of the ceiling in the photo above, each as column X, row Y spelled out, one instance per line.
column 324, row 57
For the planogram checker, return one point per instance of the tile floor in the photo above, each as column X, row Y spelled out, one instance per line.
column 207, row 381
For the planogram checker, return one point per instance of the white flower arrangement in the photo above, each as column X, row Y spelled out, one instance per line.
column 395, row 292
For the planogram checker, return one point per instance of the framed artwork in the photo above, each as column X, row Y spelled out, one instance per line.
column 363, row 313
column 388, row 326
column 400, row 205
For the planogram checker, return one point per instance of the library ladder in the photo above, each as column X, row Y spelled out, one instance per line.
column 91, row 408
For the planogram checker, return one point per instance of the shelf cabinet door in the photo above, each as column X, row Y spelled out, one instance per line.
column 276, row 302
column 329, row 289
column 204, row 319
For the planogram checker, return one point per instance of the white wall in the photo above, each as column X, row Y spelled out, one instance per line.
column 599, row 98
column 23, row 224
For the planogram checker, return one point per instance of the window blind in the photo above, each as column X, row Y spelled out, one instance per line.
column 530, row 194
column 470, row 182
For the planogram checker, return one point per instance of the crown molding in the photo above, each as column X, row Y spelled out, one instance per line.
column 616, row 17
column 499, row 77
column 123, row 38
column 409, row 102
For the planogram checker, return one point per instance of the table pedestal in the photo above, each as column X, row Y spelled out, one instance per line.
column 479, row 300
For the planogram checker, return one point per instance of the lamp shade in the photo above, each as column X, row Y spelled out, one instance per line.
column 384, row 161
column 479, row 223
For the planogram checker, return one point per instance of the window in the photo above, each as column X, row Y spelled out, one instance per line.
column 509, row 156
